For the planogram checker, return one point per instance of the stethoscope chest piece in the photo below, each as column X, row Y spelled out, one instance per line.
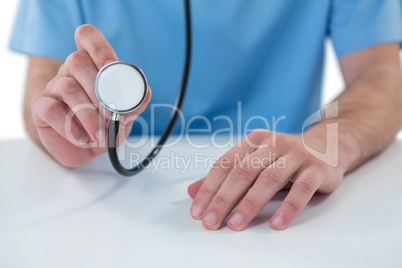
column 121, row 87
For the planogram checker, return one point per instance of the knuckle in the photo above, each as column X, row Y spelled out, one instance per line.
column 219, row 170
column 36, row 110
column 242, row 173
column 280, row 140
column 252, row 204
column 50, row 85
column 316, row 169
column 89, row 116
column 76, row 131
column 298, row 149
column 257, row 136
column 306, row 185
column 35, row 101
column 205, row 191
column 221, row 200
column 319, row 167
column 292, row 206
column 69, row 87
column 322, row 175
column 271, row 177
column 52, row 112
column 76, row 60
column 103, row 53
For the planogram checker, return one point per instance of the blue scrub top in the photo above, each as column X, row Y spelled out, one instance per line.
column 254, row 63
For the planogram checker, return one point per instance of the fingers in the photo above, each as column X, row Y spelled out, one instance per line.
column 67, row 113
column 268, row 183
column 94, row 51
column 47, row 112
column 239, row 180
column 83, row 65
column 299, row 195
column 62, row 149
column 80, row 66
column 92, row 40
column 216, row 177
column 195, row 187
column 73, row 95
column 251, row 187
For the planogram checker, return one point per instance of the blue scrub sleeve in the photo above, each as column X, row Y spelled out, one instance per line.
column 46, row 27
column 357, row 24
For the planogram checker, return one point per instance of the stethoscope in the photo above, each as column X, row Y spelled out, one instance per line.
column 121, row 87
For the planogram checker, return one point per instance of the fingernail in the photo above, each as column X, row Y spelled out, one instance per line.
column 83, row 139
column 236, row 220
column 210, row 219
column 277, row 222
column 196, row 211
column 100, row 135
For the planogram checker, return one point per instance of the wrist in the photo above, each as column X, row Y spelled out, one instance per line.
column 334, row 141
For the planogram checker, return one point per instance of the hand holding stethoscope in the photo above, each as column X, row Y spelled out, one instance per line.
column 64, row 104
column 121, row 87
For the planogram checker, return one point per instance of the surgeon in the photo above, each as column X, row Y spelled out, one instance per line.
column 261, row 61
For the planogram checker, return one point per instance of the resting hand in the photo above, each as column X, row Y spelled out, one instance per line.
column 252, row 172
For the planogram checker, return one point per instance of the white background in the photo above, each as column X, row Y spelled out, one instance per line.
column 13, row 67
column 12, row 77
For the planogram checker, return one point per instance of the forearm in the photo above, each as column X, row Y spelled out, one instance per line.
column 40, row 72
column 369, row 116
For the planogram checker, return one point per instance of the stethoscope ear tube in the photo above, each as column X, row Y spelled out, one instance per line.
column 114, row 123
column 112, row 151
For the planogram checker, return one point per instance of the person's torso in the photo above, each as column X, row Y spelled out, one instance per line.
column 254, row 63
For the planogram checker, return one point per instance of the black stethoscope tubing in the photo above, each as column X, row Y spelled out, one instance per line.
column 114, row 123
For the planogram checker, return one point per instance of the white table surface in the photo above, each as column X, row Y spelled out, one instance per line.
column 52, row 216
